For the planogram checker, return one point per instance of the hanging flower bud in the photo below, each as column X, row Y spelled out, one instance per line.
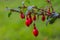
column 30, row 18
column 35, row 31
column 34, row 17
column 22, row 15
column 27, row 22
column 43, row 18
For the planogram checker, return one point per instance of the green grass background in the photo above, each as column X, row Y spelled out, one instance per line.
column 14, row 28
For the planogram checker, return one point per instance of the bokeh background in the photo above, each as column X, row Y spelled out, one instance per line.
column 14, row 28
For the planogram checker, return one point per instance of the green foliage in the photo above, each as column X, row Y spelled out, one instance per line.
column 9, row 14
column 14, row 28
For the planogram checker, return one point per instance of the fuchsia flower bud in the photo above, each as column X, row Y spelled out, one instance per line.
column 27, row 22
column 35, row 31
column 34, row 17
column 22, row 15
column 43, row 18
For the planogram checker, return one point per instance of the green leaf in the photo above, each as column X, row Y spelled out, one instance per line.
column 52, row 20
column 9, row 14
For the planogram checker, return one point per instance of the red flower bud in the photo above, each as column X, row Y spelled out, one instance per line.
column 43, row 18
column 27, row 22
column 30, row 18
column 34, row 18
column 22, row 15
column 35, row 31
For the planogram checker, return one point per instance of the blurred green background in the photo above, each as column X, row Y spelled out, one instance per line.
column 14, row 28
